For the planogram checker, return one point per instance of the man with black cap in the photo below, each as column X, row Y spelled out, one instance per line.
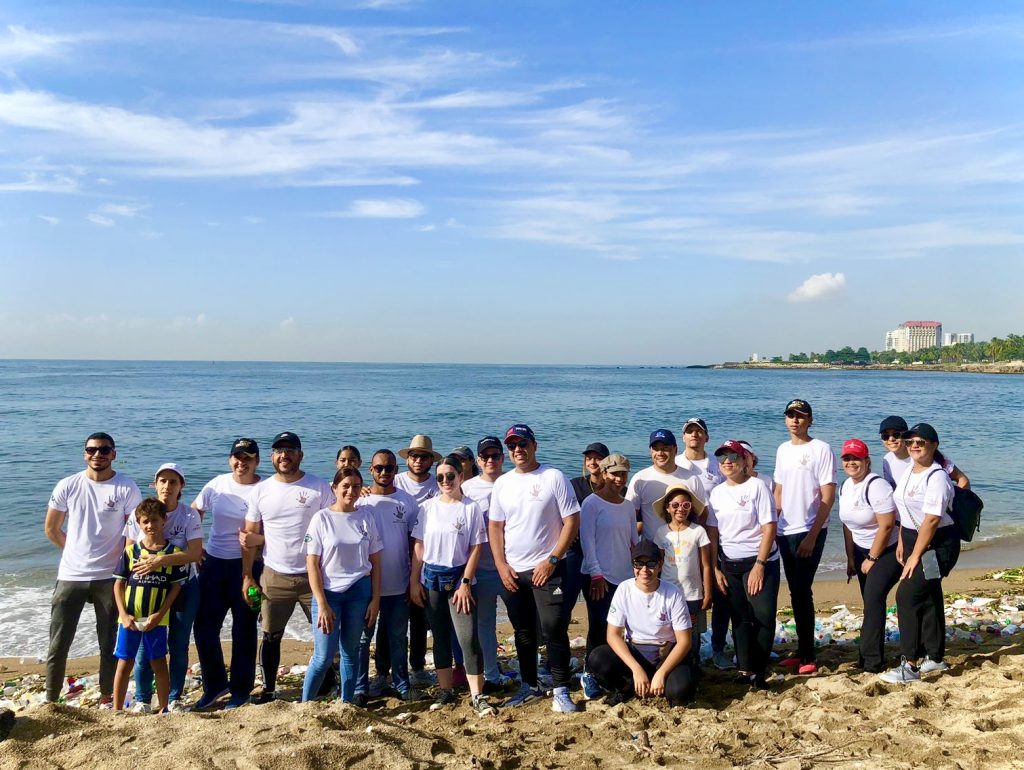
column 534, row 517
column 805, row 489
column 649, row 485
column 282, row 507
column 224, row 501
column 695, row 438
column 490, row 456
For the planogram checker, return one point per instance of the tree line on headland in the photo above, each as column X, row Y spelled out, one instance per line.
column 996, row 349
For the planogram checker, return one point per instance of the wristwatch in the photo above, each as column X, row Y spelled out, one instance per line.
column 553, row 560
column 466, row 581
column 762, row 562
column 869, row 557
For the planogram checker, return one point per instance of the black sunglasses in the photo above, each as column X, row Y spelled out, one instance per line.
column 450, row 476
column 891, row 434
column 648, row 563
column 490, row 456
column 102, row 451
column 389, row 468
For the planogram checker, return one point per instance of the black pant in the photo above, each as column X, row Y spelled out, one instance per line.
column 719, row 619
column 800, row 573
column 614, row 675
column 220, row 592
column 524, row 607
column 919, row 601
column 874, row 590
column 753, row 617
column 417, row 643
column 597, row 616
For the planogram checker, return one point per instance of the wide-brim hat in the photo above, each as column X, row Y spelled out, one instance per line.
column 659, row 504
column 420, row 443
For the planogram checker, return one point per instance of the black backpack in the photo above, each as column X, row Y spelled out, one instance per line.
column 965, row 509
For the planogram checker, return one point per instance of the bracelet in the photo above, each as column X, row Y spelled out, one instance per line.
column 869, row 557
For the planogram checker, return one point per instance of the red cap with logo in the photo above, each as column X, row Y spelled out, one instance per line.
column 856, row 448
column 732, row 445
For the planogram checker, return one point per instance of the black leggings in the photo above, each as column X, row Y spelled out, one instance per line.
column 800, row 572
column 524, row 607
column 874, row 590
column 597, row 615
column 614, row 675
column 919, row 601
column 753, row 617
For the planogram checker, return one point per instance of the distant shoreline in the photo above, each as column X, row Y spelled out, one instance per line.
column 998, row 367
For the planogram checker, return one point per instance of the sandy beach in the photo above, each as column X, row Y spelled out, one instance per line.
column 971, row 717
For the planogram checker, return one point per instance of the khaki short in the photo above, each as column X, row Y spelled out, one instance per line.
column 280, row 594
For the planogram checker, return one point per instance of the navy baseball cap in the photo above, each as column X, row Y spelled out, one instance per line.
column 522, row 431
column 798, row 405
column 286, row 439
column 245, row 446
column 893, row 423
column 597, row 448
column 663, row 436
column 488, row 442
column 699, row 423
column 922, row 430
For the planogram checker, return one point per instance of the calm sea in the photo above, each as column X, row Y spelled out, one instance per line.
column 190, row 412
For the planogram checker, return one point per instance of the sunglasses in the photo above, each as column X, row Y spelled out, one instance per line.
column 645, row 563
column 891, row 435
column 285, row 450
column 389, row 468
column 729, row 457
column 675, row 505
column 517, row 444
column 447, row 477
column 914, row 443
column 420, row 456
column 102, row 451
column 491, row 457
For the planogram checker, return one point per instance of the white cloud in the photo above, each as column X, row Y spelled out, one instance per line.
column 341, row 39
column 19, row 44
column 189, row 322
column 426, row 228
column 287, row 326
column 48, row 220
column 99, row 219
column 253, row 220
column 389, row 208
column 819, row 287
column 34, row 181
column 122, row 209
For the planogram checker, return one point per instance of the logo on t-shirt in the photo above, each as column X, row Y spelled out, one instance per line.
column 431, row 493
column 663, row 616
column 612, row 610
column 805, row 458
column 308, row 538
column 535, row 492
column 112, row 502
column 459, row 524
column 744, row 501
column 400, row 511
column 304, row 499
column 364, row 530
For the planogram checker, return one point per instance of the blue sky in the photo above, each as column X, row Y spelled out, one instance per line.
column 539, row 182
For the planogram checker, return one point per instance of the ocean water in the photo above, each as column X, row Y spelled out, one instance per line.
column 190, row 412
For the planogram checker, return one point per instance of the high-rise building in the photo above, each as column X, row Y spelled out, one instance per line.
column 957, row 338
column 911, row 336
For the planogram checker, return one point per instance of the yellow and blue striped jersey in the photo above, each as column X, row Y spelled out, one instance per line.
column 145, row 594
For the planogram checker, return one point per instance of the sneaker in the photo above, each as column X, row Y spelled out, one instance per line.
column 359, row 700
column 266, row 696
column 377, row 685
column 561, row 703
column 493, row 688
column 525, row 695
column 106, row 702
column 933, row 666
column 141, row 708
column 209, row 701
column 807, row 669
column 445, row 697
column 459, row 681
column 904, row 673
column 412, row 694
column 791, row 662
column 237, row 701
column 421, row 678
column 722, row 661
column 482, row 707
column 615, row 698
column 591, row 689
column 176, row 707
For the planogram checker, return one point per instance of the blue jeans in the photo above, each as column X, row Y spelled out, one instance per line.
column 488, row 588
column 183, row 614
column 349, row 609
column 393, row 623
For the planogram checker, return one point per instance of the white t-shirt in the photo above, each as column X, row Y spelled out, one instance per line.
column 607, row 532
column 94, row 525
column 286, row 510
column 710, row 474
column 225, row 501
column 532, row 505
column 802, row 470
column 914, row 501
column 449, row 531
column 858, row 504
column 682, row 558
column 649, row 485
column 893, row 467
column 344, row 543
column 649, row 618
column 395, row 516
column 421, row 491
column 739, row 511
column 478, row 489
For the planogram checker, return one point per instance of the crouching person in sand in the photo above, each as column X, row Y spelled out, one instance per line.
column 143, row 602
column 648, row 637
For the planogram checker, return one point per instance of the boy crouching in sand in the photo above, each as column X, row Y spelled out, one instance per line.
column 143, row 602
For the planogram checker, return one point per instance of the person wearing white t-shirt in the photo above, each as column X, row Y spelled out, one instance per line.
column 897, row 460
column 490, row 456
column 805, row 490
column 695, row 439
column 448, row 537
column 344, row 566
column 607, row 532
column 395, row 512
column 742, row 528
column 85, row 519
column 281, row 507
column 649, row 485
column 928, row 548
column 688, row 560
column 225, row 501
column 649, row 637
column 534, row 518
column 184, row 530
column 868, row 513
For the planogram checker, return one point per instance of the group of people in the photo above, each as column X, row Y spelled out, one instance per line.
column 388, row 557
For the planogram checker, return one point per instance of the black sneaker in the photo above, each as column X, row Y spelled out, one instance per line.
column 359, row 700
column 266, row 696
column 615, row 698
column 445, row 697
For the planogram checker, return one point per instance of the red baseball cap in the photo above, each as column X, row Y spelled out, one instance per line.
column 732, row 445
column 855, row 447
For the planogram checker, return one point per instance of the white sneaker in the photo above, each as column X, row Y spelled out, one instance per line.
column 933, row 666
column 904, row 673
column 141, row 708
column 176, row 707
